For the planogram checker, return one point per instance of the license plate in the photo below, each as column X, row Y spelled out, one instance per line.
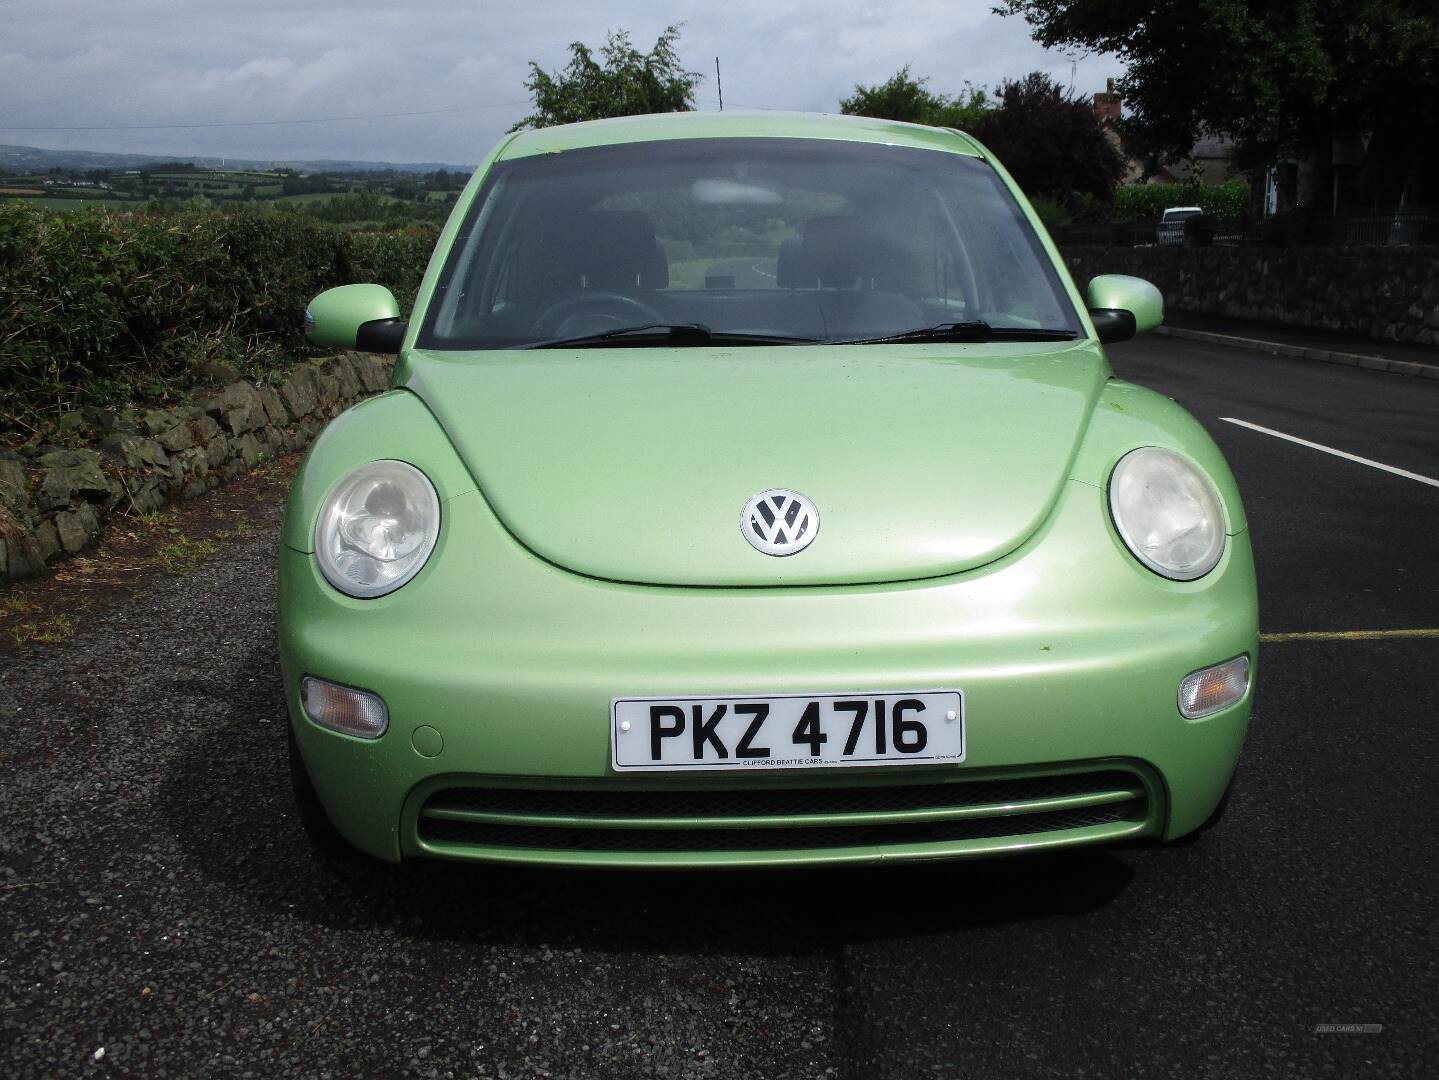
column 788, row 731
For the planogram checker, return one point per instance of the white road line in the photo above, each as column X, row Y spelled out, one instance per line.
column 1330, row 450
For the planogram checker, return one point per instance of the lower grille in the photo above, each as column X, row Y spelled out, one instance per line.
column 775, row 802
column 762, row 839
column 597, row 820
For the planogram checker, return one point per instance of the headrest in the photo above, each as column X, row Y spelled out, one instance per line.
column 833, row 250
column 789, row 270
column 830, row 253
column 614, row 249
column 841, row 252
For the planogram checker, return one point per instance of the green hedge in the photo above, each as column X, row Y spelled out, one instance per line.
column 1146, row 202
column 102, row 308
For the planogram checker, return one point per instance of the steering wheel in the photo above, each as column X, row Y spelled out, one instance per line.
column 615, row 307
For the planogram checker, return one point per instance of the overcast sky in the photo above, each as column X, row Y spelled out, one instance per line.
column 116, row 63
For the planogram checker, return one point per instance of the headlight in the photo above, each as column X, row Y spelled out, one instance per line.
column 1168, row 513
column 377, row 528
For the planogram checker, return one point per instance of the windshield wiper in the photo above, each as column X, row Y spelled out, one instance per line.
column 975, row 331
column 666, row 334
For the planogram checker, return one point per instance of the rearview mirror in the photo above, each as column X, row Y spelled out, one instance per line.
column 1121, row 306
column 363, row 317
column 733, row 193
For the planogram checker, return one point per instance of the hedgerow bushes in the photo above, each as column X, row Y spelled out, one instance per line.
column 101, row 308
column 1145, row 202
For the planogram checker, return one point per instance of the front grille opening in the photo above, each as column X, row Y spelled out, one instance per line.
column 761, row 839
column 776, row 804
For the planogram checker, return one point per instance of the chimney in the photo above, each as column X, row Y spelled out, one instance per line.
column 1107, row 104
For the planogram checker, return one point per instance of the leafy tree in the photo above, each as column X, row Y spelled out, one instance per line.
column 625, row 82
column 1050, row 142
column 1282, row 78
column 444, row 180
column 903, row 97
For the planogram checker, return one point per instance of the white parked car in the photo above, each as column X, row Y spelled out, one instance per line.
column 1171, row 224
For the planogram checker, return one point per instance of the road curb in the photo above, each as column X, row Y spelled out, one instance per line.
column 1301, row 352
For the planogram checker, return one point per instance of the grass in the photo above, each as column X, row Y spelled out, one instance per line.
column 183, row 553
column 49, row 631
column 241, row 528
column 15, row 604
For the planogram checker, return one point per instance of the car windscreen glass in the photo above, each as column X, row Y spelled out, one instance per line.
column 777, row 238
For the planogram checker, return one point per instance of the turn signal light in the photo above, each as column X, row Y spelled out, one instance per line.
column 1213, row 688
column 343, row 709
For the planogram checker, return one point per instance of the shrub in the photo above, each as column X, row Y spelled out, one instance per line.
column 1052, row 212
column 1147, row 201
column 102, row 307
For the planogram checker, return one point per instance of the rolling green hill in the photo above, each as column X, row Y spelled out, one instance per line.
column 31, row 159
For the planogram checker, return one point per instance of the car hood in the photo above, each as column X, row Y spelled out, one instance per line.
column 634, row 464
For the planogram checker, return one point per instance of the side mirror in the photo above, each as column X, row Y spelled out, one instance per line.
column 1121, row 306
column 364, row 317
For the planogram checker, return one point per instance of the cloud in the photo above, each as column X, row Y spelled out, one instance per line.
column 112, row 64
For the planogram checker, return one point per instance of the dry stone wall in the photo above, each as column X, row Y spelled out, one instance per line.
column 1388, row 293
column 54, row 500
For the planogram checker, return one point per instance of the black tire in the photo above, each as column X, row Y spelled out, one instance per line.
column 319, row 829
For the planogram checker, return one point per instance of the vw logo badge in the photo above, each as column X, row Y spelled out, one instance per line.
column 779, row 522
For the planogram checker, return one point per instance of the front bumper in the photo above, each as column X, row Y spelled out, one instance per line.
column 1069, row 654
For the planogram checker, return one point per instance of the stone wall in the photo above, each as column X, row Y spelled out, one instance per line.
column 54, row 500
column 1390, row 293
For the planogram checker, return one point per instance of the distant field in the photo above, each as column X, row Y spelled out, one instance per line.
column 225, row 189
column 231, row 175
column 319, row 196
column 323, row 195
column 80, row 204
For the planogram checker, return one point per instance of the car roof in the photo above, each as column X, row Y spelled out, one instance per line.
column 733, row 124
column 1184, row 209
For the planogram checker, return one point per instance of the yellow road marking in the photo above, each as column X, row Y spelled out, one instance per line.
column 1351, row 635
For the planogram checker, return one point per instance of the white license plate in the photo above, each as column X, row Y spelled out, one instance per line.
column 789, row 731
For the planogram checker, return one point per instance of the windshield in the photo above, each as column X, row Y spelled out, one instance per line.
column 781, row 239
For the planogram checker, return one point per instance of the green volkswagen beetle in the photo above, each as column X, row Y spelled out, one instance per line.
column 754, row 490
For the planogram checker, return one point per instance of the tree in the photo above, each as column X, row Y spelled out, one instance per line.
column 1282, row 78
column 903, row 97
column 627, row 83
column 1051, row 143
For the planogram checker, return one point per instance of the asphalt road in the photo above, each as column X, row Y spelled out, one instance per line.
column 161, row 915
